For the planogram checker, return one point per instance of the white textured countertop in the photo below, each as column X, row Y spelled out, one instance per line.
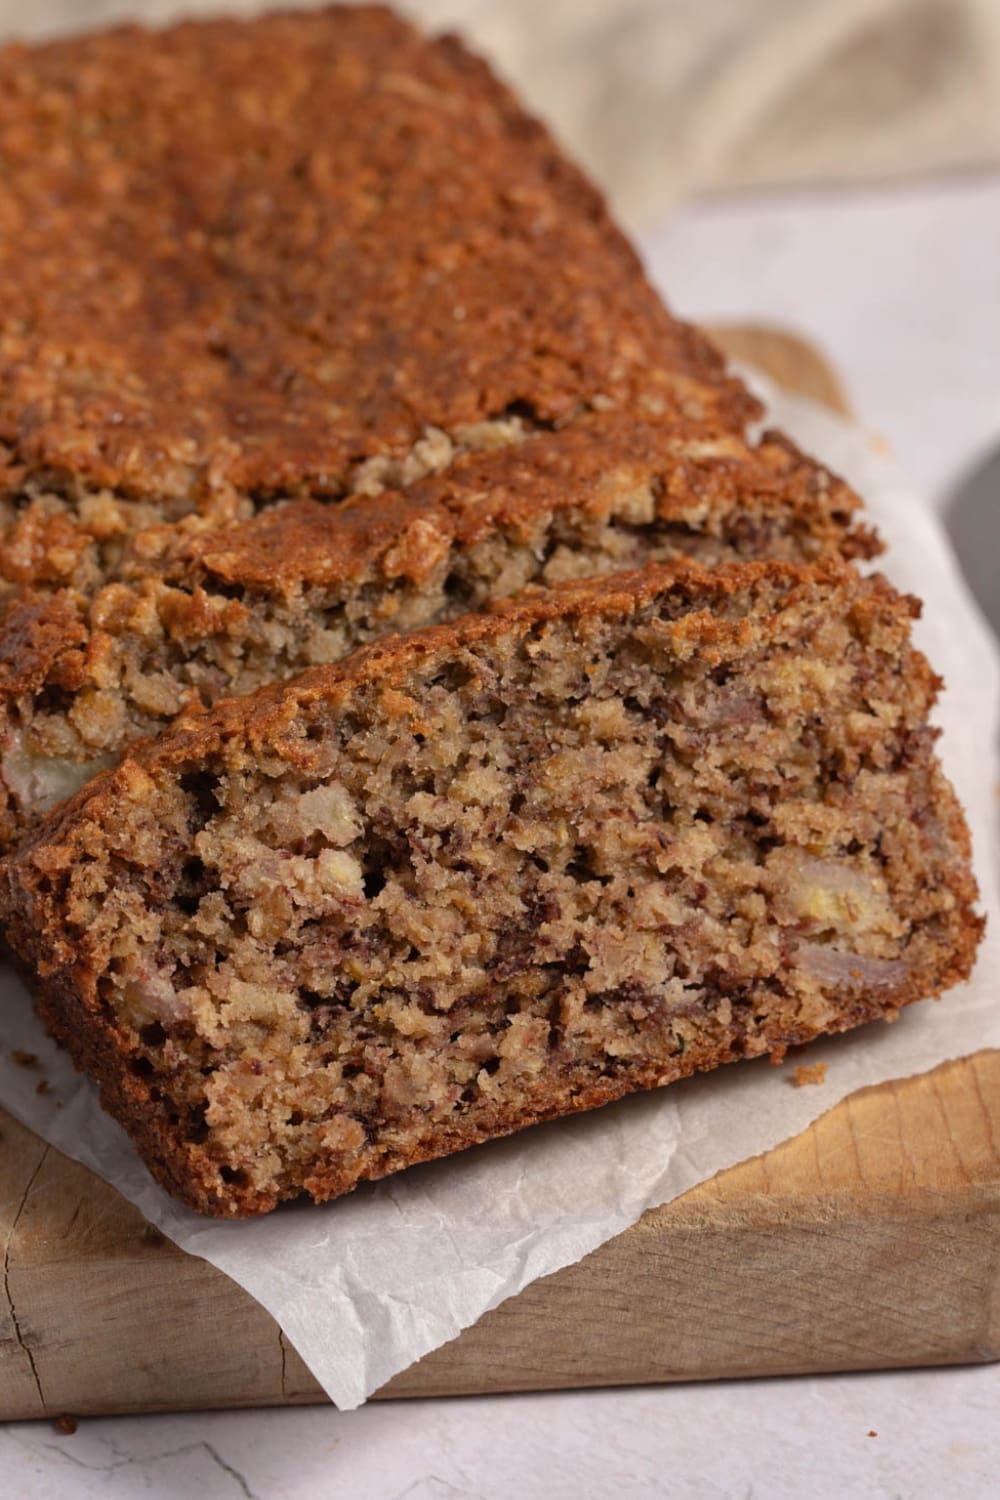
column 902, row 288
column 937, row 1435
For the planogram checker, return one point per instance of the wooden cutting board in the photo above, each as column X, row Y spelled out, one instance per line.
column 870, row 1241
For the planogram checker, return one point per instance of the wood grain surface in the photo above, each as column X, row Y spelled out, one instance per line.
column 870, row 1241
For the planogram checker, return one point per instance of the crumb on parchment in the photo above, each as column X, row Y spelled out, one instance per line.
column 809, row 1074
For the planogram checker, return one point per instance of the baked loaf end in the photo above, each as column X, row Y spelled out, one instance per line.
column 242, row 261
column 501, row 870
column 204, row 612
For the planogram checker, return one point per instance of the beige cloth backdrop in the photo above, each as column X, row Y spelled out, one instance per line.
column 665, row 97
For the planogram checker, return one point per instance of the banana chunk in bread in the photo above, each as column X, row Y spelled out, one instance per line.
column 199, row 614
column 493, row 872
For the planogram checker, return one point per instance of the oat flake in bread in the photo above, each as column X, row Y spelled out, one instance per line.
column 500, row 870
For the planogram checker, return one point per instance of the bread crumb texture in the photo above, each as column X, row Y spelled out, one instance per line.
column 501, row 870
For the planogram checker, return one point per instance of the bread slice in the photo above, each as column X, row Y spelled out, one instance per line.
column 500, row 870
column 199, row 613
column 248, row 261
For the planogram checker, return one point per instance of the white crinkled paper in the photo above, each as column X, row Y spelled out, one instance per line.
column 364, row 1286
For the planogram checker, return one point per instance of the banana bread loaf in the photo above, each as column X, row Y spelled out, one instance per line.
column 499, row 870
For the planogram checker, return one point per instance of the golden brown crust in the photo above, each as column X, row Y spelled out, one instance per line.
column 699, row 477
column 250, row 255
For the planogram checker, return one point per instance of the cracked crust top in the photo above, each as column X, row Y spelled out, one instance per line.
column 251, row 255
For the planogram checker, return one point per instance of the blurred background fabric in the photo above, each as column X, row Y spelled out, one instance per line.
column 663, row 99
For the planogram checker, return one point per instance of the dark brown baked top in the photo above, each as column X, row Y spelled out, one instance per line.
column 253, row 254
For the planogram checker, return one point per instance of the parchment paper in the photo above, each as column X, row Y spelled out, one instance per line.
column 365, row 1286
